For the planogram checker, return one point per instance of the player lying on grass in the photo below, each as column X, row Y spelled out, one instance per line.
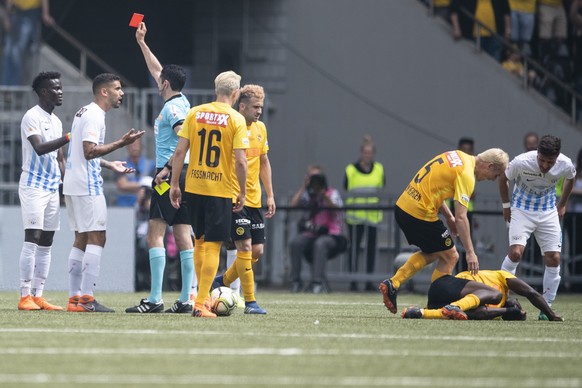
column 479, row 297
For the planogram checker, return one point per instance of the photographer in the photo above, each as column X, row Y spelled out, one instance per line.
column 320, row 233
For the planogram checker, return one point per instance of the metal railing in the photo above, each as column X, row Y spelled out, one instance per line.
column 86, row 55
column 490, row 241
column 571, row 95
column 138, row 110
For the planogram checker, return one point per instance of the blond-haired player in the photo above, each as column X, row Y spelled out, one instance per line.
column 216, row 136
column 248, row 226
column 451, row 174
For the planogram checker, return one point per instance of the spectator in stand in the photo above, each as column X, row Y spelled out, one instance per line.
column 514, row 65
column 22, row 31
column 522, row 22
column 493, row 14
column 576, row 19
column 440, row 8
column 552, row 21
column 129, row 185
column 552, row 49
column 363, row 180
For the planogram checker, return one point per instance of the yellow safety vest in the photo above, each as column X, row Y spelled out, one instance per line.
column 360, row 186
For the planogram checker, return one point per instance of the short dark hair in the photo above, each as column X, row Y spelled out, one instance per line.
column 466, row 140
column 103, row 79
column 549, row 145
column 175, row 75
column 44, row 76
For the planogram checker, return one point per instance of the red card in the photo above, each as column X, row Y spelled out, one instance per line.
column 135, row 20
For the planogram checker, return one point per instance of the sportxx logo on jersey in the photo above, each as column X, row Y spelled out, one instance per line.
column 454, row 159
column 210, row 118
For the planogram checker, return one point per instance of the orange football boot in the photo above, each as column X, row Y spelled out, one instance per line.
column 26, row 303
column 45, row 305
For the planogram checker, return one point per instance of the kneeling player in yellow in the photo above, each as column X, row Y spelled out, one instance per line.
column 479, row 297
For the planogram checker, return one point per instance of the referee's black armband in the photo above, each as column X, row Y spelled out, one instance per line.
column 168, row 166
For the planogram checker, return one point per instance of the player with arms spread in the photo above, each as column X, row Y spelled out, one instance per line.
column 83, row 189
column 449, row 175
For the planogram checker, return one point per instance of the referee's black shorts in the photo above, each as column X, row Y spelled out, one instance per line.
column 161, row 207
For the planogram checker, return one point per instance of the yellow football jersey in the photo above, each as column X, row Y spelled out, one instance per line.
column 215, row 130
column 258, row 145
column 527, row 6
column 448, row 175
column 496, row 279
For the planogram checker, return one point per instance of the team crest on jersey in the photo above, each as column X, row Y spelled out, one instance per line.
column 448, row 242
column 211, row 118
column 240, row 231
column 454, row 159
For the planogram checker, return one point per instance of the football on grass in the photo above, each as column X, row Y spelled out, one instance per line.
column 224, row 301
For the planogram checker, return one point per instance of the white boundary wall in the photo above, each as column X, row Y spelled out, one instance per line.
column 117, row 264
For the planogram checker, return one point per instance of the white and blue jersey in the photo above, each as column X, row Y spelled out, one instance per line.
column 82, row 176
column 533, row 190
column 172, row 114
column 40, row 171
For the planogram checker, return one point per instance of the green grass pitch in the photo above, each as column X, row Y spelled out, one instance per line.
column 334, row 340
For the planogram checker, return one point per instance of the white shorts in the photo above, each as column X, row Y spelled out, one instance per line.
column 40, row 209
column 87, row 213
column 545, row 226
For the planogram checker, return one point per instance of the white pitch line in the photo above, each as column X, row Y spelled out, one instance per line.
column 237, row 380
column 288, row 352
column 357, row 336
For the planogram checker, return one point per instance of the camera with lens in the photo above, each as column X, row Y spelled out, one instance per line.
column 316, row 184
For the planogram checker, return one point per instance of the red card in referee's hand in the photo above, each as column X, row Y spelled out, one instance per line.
column 135, row 20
